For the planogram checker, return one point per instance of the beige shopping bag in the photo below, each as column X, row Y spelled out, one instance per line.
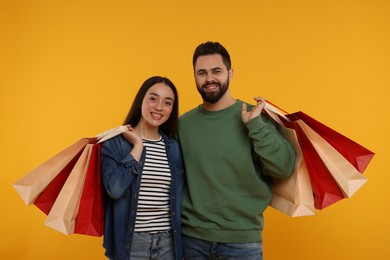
column 294, row 195
column 31, row 185
column 63, row 214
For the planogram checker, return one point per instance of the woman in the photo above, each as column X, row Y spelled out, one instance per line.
column 143, row 176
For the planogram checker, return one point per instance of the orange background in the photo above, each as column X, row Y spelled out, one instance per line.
column 70, row 69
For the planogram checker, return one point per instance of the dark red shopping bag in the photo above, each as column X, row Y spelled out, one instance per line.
column 356, row 154
column 90, row 218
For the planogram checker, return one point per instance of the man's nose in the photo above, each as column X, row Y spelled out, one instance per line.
column 209, row 77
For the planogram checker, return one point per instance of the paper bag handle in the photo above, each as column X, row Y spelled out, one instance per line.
column 274, row 112
column 111, row 133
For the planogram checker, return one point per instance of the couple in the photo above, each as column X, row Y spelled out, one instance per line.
column 209, row 203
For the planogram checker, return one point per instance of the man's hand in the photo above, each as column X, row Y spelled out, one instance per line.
column 255, row 112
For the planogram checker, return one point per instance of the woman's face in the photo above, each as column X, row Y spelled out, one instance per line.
column 157, row 105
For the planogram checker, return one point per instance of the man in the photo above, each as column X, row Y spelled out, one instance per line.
column 231, row 150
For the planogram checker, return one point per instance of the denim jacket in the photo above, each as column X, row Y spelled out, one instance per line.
column 121, row 180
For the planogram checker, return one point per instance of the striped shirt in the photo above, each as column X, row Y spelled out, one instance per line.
column 153, row 212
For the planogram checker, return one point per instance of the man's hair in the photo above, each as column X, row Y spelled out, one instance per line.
column 210, row 48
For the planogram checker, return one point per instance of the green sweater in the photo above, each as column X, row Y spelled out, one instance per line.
column 228, row 165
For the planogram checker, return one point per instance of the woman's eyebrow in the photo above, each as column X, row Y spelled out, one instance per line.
column 157, row 95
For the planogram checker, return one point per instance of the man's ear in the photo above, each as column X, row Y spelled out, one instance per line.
column 231, row 73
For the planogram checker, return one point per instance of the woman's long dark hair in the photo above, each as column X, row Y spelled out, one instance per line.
column 170, row 126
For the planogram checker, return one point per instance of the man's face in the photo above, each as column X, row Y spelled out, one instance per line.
column 211, row 77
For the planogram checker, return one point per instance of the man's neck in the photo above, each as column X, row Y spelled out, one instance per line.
column 225, row 102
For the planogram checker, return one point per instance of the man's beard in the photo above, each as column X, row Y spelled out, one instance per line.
column 213, row 97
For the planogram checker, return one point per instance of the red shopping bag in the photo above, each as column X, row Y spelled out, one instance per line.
column 325, row 189
column 356, row 154
column 90, row 219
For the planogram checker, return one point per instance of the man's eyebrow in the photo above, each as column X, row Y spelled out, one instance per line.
column 216, row 68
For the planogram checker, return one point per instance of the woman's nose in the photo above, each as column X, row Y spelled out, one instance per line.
column 158, row 105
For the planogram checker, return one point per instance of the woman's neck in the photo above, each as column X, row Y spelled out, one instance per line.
column 143, row 131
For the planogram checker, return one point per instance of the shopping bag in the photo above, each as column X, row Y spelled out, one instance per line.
column 111, row 133
column 90, row 218
column 348, row 178
column 356, row 154
column 31, row 185
column 62, row 215
column 327, row 154
column 49, row 195
column 325, row 189
column 294, row 195
column 56, row 186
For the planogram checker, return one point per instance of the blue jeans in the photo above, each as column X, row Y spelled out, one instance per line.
column 152, row 246
column 196, row 249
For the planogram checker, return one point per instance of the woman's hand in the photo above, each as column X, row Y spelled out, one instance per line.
column 133, row 138
column 255, row 112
